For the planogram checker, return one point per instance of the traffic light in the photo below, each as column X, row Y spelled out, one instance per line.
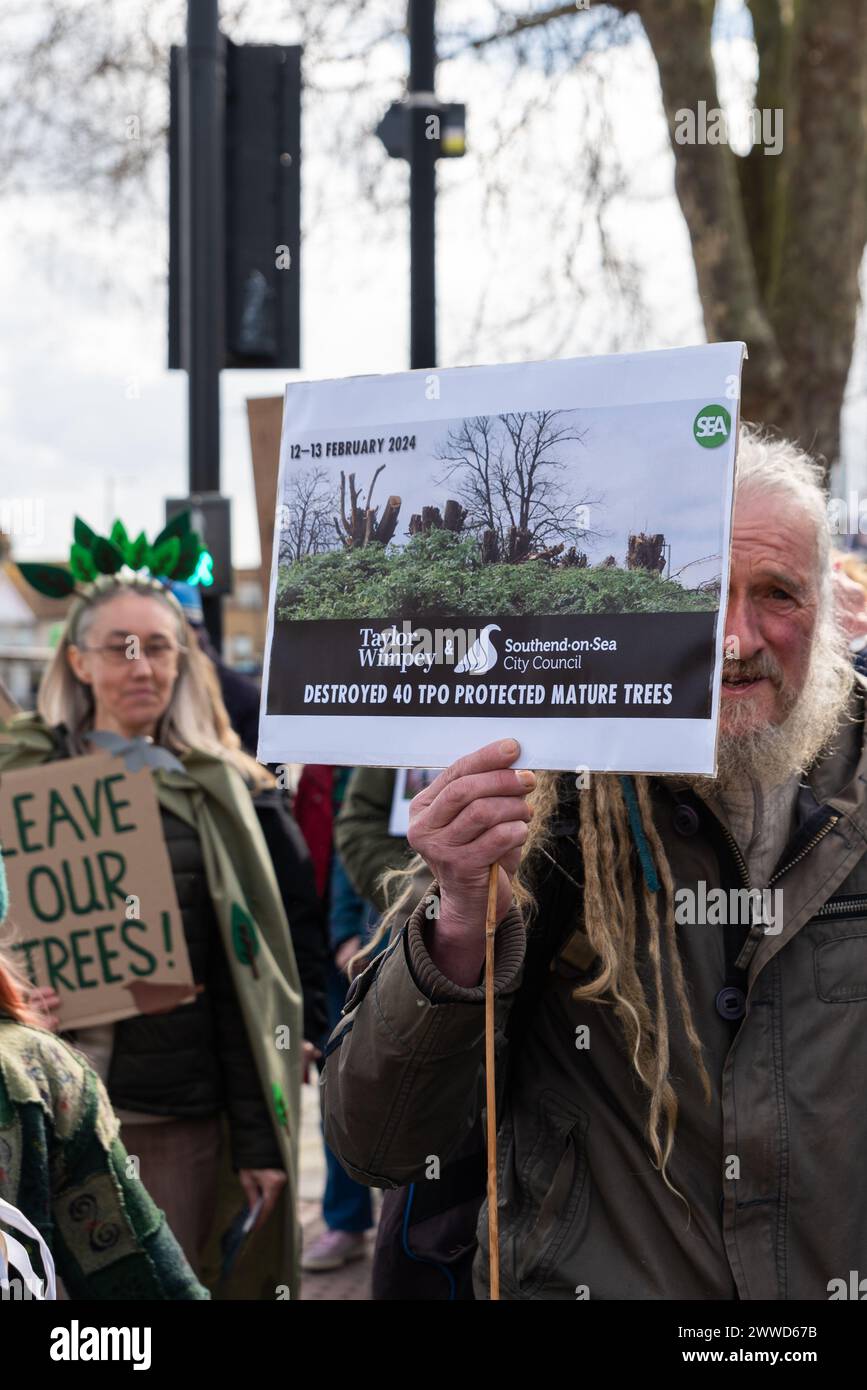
column 209, row 516
column 445, row 126
column 261, row 178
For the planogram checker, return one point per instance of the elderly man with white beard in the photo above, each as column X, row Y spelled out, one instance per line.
column 681, row 1108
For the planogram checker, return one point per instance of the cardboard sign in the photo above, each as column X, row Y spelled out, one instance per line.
column 535, row 551
column 91, row 892
column 265, row 419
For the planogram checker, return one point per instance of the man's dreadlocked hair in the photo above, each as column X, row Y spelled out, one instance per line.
column 609, row 918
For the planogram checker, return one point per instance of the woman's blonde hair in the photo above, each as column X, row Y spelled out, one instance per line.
column 196, row 715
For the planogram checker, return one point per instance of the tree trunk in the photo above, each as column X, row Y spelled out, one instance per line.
column 388, row 525
column 490, row 548
column 519, row 544
column 707, row 187
column 778, row 240
column 823, row 219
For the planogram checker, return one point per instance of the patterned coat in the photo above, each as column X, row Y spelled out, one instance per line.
column 62, row 1163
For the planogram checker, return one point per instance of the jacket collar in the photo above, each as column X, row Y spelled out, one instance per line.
column 837, row 779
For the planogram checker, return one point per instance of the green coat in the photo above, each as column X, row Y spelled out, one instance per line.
column 62, row 1160
column 363, row 840
column 211, row 796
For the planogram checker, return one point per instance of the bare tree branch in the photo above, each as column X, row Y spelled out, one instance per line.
column 306, row 515
column 507, row 473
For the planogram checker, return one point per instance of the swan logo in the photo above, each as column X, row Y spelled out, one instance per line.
column 482, row 655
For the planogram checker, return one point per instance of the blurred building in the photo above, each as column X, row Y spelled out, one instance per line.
column 245, row 622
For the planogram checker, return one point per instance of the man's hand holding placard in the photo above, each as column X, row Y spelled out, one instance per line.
column 473, row 815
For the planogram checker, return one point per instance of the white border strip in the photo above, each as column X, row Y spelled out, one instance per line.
column 605, row 745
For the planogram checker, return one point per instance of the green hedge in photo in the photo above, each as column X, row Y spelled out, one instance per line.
column 440, row 573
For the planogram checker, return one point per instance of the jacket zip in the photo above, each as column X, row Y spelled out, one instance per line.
column 820, row 835
column 741, row 863
column 738, row 857
column 844, row 907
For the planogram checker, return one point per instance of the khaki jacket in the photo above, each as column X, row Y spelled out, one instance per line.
column 363, row 840
column 772, row 1170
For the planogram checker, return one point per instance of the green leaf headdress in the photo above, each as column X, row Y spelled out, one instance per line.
column 176, row 553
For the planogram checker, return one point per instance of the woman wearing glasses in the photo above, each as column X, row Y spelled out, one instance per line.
column 128, row 677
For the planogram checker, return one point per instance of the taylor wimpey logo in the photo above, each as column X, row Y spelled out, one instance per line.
column 404, row 648
column 482, row 655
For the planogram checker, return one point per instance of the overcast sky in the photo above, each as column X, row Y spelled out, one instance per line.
column 91, row 420
column 616, row 460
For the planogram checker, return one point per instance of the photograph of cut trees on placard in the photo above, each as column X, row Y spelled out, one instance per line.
column 514, row 514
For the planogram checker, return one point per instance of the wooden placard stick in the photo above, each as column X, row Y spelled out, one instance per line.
column 490, row 1083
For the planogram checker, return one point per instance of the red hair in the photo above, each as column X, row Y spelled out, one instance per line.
column 13, row 995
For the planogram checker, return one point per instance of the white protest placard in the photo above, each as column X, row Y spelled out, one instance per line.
column 408, row 782
column 91, row 894
column 534, row 551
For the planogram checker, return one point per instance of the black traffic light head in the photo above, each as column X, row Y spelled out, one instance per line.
column 261, row 231
column 445, row 126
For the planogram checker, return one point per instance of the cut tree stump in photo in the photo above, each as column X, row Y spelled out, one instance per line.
column 551, row 553
column 388, row 525
column 432, row 519
column 490, row 548
column 518, row 549
column 361, row 526
column 646, row 553
column 574, row 558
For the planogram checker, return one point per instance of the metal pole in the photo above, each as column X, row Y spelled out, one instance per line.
column 202, row 324
column 422, row 188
